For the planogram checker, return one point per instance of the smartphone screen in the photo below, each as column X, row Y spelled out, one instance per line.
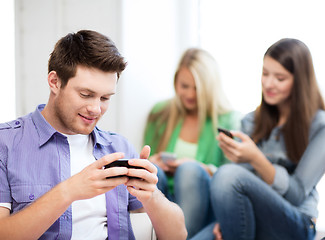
column 121, row 163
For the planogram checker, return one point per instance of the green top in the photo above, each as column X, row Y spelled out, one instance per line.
column 208, row 151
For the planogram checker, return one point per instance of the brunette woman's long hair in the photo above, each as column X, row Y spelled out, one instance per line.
column 305, row 99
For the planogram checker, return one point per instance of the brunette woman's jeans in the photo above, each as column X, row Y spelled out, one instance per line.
column 247, row 208
column 191, row 193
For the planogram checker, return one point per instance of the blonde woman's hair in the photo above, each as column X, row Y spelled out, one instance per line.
column 211, row 99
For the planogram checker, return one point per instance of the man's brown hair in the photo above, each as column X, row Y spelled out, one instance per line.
column 85, row 48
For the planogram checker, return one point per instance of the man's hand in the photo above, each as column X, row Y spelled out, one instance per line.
column 144, row 185
column 92, row 180
column 167, row 218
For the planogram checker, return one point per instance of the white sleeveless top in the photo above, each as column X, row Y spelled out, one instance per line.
column 185, row 149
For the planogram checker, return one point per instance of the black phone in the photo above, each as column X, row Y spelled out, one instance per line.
column 121, row 163
column 225, row 131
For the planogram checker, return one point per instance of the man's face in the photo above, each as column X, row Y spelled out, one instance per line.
column 83, row 101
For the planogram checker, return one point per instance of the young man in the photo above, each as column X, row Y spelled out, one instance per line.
column 53, row 184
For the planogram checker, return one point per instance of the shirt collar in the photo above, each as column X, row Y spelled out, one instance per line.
column 99, row 138
column 46, row 131
column 43, row 128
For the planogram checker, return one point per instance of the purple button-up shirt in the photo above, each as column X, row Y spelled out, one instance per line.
column 34, row 157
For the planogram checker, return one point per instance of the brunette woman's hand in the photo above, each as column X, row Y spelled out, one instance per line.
column 217, row 232
column 246, row 151
column 238, row 152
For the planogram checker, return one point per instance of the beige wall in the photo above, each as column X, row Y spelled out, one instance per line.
column 150, row 34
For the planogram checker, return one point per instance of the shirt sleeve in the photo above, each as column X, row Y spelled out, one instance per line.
column 281, row 179
column 6, row 205
column 5, row 195
column 310, row 169
column 295, row 187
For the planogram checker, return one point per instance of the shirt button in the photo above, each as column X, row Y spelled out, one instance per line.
column 31, row 197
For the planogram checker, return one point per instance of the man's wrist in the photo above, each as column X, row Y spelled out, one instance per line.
column 63, row 192
column 156, row 197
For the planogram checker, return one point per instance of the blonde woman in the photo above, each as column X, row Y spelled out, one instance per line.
column 186, row 126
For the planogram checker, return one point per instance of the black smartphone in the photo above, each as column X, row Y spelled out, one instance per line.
column 121, row 163
column 225, row 131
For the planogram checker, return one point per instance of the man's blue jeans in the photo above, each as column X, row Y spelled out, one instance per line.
column 248, row 208
column 191, row 193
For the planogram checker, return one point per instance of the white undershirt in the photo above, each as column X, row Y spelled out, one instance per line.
column 89, row 220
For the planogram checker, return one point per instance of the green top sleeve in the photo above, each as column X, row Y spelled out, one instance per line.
column 151, row 136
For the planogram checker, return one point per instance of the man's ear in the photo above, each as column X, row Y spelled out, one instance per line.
column 54, row 82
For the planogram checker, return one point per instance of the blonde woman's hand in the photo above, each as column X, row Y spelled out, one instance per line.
column 238, row 152
column 155, row 159
column 172, row 165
